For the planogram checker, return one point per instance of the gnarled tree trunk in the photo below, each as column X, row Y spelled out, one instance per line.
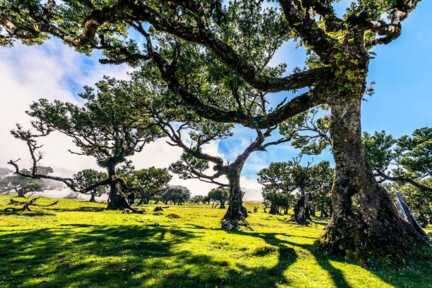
column 93, row 196
column 116, row 201
column 373, row 227
column 236, row 214
column 302, row 209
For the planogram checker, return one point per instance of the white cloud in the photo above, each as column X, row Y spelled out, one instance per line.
column 30, row 73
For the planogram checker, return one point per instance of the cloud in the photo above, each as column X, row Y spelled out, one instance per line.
column 55, row 71
column 30, row 73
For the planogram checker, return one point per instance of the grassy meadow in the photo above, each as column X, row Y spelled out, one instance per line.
column 80, row 244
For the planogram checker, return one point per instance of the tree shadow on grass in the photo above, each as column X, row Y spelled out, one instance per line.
column 79, row 209
column 417, row 274
column 203, row 271
column 32, row 213
column 123, row 256
column 98, row 257
column 322, row 259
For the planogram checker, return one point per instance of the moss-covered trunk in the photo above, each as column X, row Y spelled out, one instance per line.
column 236, row 214
column 373, row 228
column 116, row 201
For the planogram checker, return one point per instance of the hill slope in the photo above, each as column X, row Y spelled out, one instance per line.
column 79, row 244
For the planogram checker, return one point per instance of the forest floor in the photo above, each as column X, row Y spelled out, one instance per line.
column 80, row 244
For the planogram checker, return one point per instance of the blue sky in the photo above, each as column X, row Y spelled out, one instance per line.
column 402, row 101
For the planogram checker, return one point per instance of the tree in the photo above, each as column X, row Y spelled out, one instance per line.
column 277, row 186
column 402, row 160
column 198, row 199
column 21, row 184
column 195, row 163
column 107, row 127
column 289, row 178
column 305, row 186
column 148, row 183
column 219, row 194
column 88, row 178
column 242, row 36
column 321, row 181
column 176, row 194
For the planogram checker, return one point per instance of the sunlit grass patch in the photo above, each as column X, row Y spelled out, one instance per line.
column 80, row 244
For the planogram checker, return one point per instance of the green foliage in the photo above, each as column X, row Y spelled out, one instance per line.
column 220, row 195
column 416, row 152
column 419, row 200
column 89, row 177
column 176, row 194
column 146, row 183
column 24, row 184
column 108, row 126
column 283, row 180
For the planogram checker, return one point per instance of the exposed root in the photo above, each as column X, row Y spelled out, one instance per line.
column 392, row 243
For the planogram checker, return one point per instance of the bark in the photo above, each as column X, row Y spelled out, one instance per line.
column 116, row 201
column 274, row 209
column 236, row 214
column 302, row 209
column 222, row 204
column 373, row 229
column 93, row 196
column 21, row 192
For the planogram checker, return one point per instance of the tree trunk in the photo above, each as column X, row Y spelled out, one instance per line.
column 301, row 209
column 222, row 204
column 236, row 214
column 93, row 196
column 373, row 229
column 116, row 201
column 274, row 209
column 20, row 192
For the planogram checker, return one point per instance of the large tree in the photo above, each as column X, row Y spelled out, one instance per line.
column 243, row 36
column 108, row 127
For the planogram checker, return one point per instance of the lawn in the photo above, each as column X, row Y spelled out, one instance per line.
column 79, row 244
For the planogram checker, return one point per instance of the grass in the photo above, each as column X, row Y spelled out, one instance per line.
column 79, row 244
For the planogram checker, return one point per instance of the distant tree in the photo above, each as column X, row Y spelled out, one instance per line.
column 320, row 184
column 108, row 127
column 176, row 194
column 88, row 178
column 278, row 186
column 198, row 199
column 220, row 195
column 22, row 184
column 419, row 200
column 147, row 183
column 305, row 186
column 4, row 172
column 406, row 160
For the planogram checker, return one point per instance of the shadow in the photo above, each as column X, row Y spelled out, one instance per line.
column 79, row 209
column 203, row 271
column 99, row 256
column 33, row 213
column 322, row 259
column 124, row 256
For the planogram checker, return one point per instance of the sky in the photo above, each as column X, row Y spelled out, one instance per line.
column 401, row 103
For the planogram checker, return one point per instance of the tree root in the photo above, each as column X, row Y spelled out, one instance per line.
column 26, row 205
column 377, row 242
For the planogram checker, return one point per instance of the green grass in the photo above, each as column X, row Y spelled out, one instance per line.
column 79, row 244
